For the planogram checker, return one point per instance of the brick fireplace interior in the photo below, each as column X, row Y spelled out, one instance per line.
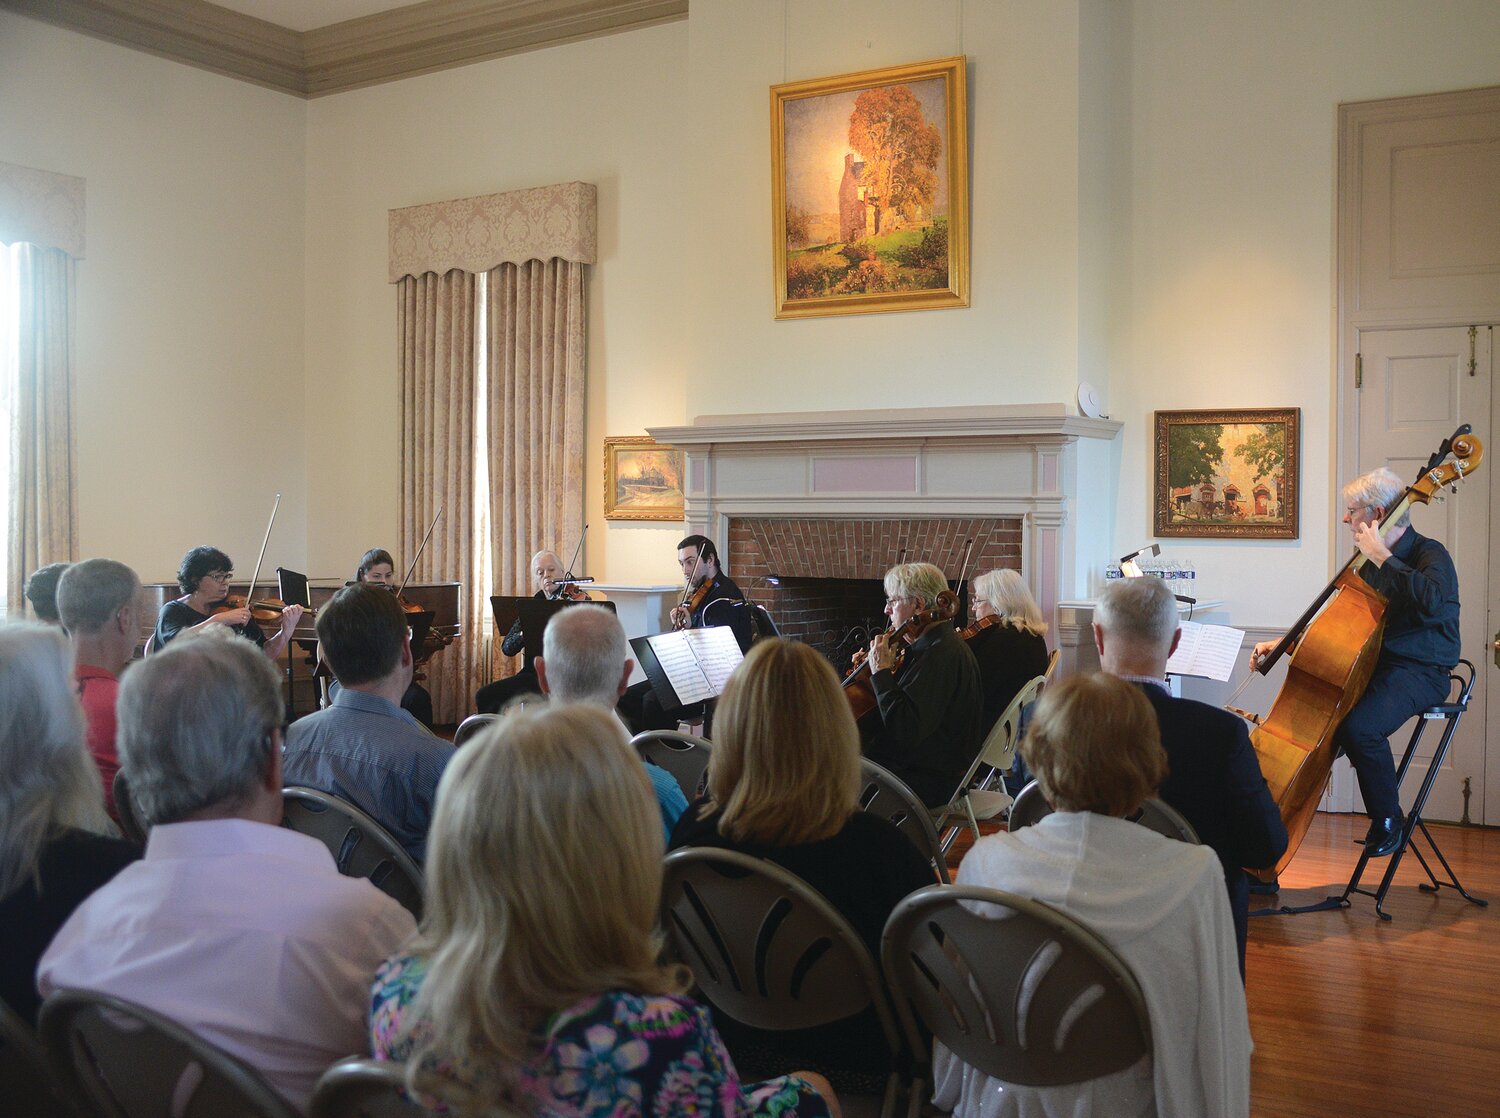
column 829, row 591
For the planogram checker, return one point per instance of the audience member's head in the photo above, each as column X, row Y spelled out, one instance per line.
column 200, row 731
column 41, row 591
column 585, row 657
column 922, row 582
column 1135, row 626
column 785, row 767
column 1094, row 745
column 99, row 602
column 201, row 561
column 543, row 880
column 364, row 636
column 47, row 780
column 1003, row 593
column 376, row 565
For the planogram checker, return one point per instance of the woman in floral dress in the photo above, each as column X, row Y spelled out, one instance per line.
column 533, row 986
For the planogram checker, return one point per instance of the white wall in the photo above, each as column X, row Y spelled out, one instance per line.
column 189, row 327
column 1232, row 187
column 606, row 111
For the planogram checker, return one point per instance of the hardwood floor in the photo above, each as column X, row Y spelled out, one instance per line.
column 1356, row 1017
column 1353, row 1015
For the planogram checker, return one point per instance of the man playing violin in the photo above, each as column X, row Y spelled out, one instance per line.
column 1418, row 649
column 203, row 577
column 929, row 698
column 547, row 575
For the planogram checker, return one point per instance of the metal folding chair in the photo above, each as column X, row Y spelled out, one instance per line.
column 984, row 802
column 471, row 726
column 28, row 1084
column 1155, row 815
column 360, row 846
column 885, row 794
column 685, row 756
column 361, row 1088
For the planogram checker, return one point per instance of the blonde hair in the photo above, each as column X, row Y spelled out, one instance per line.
column 1380, row 488
column 1094, row 745
column 1007, row 592
column 785, row 767
column 915, row 580
column 544, row 877
column 48, row 781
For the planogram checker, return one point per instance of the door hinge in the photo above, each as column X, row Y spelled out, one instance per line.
column 1359, row 370
column 1473, row 336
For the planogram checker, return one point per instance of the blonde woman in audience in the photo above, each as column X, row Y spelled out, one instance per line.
column 534, row 984
column 783, row 785
column 1094, row 747
column 53, row 846
column 1010, row 644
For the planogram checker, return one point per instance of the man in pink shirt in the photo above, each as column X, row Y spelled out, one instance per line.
column 232, row 926
column 99, row 603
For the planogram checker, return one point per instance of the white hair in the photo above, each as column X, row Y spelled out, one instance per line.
column 48, row 781
column 1380, row 488
column 915, row 580
column 1006, row 591
column 584, row 652
column 195, row 725
column 1143, row 610
column 92, row 592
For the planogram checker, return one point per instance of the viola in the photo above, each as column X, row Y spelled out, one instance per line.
column 1337, row 641
column 969, row 632
column 859, row 684
column 261, row 611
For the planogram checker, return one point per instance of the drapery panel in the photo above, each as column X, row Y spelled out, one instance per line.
column 43, row 506
column 536, row 374
column 435, row 325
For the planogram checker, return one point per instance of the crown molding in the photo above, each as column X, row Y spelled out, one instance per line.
column 417, row 39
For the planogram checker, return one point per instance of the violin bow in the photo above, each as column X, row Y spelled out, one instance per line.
column 568, row 571
column 963, row 574
column 420, row 547
column 255, row 577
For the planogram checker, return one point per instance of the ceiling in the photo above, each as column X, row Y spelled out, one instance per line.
column 305, row 15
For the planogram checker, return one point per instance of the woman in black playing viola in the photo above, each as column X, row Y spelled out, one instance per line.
column 203, row 576
column 1008, row 639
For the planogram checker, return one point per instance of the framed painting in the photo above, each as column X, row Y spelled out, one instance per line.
column 870, row 191
column 642, row 479
column 1227, row 473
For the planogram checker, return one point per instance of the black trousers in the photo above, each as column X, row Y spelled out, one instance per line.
column 640, row 707
column 492, row 696
column 1396, row 692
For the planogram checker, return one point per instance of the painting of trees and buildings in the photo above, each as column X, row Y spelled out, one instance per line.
column 870, row 201
column 1227, row 473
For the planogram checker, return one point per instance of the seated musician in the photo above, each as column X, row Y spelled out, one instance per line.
column 203, row 577
column 926, row 725
column 712, row 600
column 377, row 566
column 546, row 570
column 1420, row 645
column 1010, row 644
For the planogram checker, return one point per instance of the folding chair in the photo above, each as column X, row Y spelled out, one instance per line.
column 885, row 794
column 471, row 726
column 1155, row 815
column 360, row 846
column 361, row 1088
column 985, row 801
column 28, row 1084
column 683, row 755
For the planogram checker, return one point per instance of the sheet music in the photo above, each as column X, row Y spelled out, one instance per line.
column 697, row 662
column 1206, row 650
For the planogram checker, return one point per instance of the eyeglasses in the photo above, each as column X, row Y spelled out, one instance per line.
column 889, row 602
column 220, row 576
column 1353, row 509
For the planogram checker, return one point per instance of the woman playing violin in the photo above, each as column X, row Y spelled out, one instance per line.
column 377, row 566
column 1008, row 639
column 928, row 698
column 203, row 577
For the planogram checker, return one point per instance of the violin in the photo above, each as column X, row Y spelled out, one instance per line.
column 859, row 684
column 267, row 610
column 969, row 632
column 693, row 601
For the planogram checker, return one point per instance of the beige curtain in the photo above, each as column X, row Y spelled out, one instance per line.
column 43, row 524
column 536, row 363
column 435, row 324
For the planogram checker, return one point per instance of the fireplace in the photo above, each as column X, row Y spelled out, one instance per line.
column 839, row 496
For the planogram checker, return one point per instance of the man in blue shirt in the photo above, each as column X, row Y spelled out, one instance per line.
column 364, row 748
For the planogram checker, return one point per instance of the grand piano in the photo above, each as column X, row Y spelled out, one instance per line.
column 438, row 623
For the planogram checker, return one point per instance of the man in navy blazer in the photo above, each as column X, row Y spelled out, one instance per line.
column 1214, row 779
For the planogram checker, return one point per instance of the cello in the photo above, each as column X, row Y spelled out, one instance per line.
column 1337, row 642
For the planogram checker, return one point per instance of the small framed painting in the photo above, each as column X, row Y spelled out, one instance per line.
column 642, row 479
column 870, row 191
column 1227, row 473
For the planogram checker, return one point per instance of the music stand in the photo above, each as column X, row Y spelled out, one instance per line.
column 533, row 613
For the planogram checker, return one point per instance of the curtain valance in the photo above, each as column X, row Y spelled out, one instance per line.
column 42, row 208
column 477, row 234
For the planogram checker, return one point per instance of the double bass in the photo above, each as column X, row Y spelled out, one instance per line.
column 1337, row 642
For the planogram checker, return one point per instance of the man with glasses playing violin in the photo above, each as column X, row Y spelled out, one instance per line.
column 1418, row 648
column 928, row 694
column 203, row 577
column 711, row 600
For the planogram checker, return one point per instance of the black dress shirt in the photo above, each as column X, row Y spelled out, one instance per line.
column 1420, row 587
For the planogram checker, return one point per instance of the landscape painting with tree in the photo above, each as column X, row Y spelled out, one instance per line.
column 870, row 191
column 1227, row 473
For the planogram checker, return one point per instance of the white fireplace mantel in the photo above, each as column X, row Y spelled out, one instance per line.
column 995, row 460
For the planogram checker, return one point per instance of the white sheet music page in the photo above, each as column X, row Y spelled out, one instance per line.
column 718, row 653
column 677, row 659
column 1206, row 650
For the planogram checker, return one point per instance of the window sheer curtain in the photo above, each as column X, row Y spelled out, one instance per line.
column 532, row 247
column 42, row 217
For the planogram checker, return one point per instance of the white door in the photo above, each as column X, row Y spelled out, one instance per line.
column 1417, row 387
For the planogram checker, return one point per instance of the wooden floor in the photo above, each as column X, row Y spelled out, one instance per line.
column 1354, row 1016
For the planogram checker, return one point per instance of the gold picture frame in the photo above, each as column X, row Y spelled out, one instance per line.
column 856, row 229
column 1228, row 473
column 642, row 479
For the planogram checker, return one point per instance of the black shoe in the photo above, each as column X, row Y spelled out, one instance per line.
column 1383, row 836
